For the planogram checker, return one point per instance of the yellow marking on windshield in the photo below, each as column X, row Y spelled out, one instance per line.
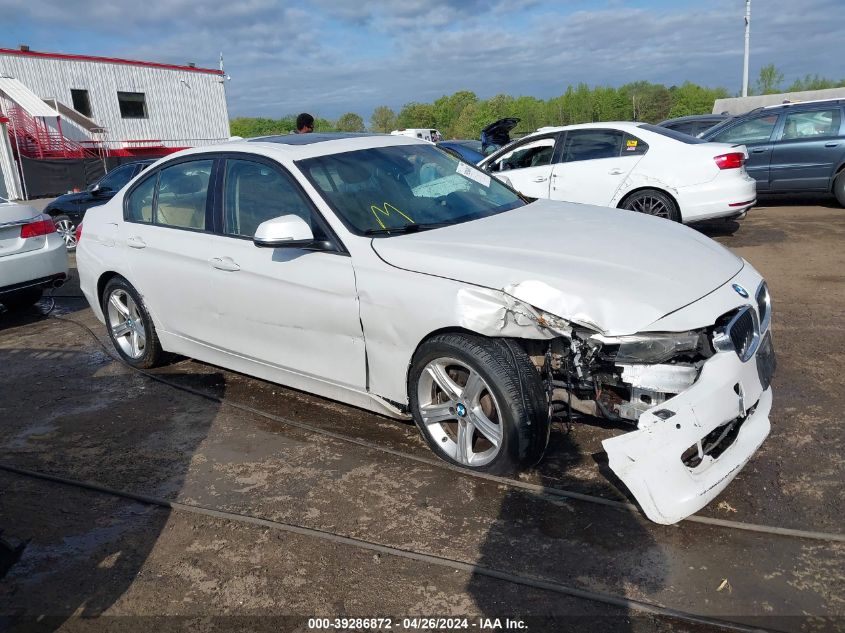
column 385, row 211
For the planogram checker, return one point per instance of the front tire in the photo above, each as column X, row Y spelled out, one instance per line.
column 839, row 188
column 130, row 327
column 67, row 229
column 479, row 403
column 653, row 202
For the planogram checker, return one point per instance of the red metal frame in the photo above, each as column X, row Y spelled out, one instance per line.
column 108, row 60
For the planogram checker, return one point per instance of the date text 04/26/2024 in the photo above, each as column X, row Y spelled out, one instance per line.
column 412, row 624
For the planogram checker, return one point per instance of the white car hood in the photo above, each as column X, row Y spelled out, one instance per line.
column 616, row 271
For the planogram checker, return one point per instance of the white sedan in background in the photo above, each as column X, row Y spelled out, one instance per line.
column 32, row 255
column 383, row 272
column 634, row 166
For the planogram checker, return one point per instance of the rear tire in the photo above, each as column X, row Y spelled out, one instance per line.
column 130, row 327
column 21, row 299
column 839, row 188
column 479, row 403
column 652, row 202
column 67, row 229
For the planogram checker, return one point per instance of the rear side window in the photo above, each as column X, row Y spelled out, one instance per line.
column 182, row 194
column 592, row 144
column 175, row 196
column 139, row 204
column 812, row 124
column 634, row 146
column 255, row 193
column 757, row 130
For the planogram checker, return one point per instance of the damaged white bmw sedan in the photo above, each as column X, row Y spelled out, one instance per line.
column 381, row 272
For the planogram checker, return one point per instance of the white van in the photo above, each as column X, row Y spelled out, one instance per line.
column 416, row 132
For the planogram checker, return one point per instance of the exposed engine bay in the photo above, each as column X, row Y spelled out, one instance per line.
column 617, row 378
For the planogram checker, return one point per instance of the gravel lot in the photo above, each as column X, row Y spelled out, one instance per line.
column 69, row 409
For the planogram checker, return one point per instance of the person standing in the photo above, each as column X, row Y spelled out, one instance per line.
column 304, row 123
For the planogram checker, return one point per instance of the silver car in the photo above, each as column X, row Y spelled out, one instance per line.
column 32, row 255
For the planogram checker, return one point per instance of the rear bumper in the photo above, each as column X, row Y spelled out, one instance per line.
column 649, row 460
column 725, row 196
column 46, row 266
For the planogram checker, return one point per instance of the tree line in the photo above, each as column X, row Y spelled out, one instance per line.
column 463, row 114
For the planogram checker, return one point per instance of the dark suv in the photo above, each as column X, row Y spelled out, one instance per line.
column 791, row 147
column 67, row 210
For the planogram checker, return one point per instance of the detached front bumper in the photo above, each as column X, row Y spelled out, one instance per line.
column 727, row 408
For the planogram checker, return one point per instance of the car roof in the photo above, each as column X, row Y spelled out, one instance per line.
column 695, row 117
column 301, row 146
column 629, row 126
column 794, row 104
column 308, row 139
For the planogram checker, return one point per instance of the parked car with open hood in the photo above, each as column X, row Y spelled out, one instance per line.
column 32, row 255
column 68, row 210
column 384, row 273
column 632, row 166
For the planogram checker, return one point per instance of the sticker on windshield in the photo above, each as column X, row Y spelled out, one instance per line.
column 473, row 174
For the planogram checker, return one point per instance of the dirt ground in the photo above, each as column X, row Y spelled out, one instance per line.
column 68, row 409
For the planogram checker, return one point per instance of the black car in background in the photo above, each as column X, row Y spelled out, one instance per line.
column 67, row 210
column 793, row 147
column 693, row 124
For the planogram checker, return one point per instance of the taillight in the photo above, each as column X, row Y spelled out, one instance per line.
column 77, row 234
column 734, row 160
column 41, row 225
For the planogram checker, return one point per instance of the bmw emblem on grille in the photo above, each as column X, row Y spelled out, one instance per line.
column 742, row 292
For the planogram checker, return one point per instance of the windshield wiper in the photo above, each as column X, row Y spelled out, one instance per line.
column 408, row 228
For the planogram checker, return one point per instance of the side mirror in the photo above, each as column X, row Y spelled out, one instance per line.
column 99, row 190
column 289, row 231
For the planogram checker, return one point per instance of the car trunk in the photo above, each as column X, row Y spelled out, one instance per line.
column 12, row 218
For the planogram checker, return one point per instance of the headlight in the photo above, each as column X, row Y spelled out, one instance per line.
column 655, row 348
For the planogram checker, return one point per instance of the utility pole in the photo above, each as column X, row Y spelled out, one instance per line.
column 747, row 42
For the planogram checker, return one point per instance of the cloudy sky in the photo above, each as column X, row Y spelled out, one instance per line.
column 333, row 56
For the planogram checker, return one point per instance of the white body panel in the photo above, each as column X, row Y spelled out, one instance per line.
column 686, row 172
column 346, row 325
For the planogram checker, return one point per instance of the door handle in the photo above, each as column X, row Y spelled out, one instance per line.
column 616, row 172
column 224, row 263
column 759, row 150
column 540, row 179
column 136, row 242
column 832, row 144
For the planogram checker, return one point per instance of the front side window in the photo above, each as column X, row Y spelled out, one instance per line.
column 758, row 130
column 182, row 194
column 592, row 144
column 133, row 105
column 81, row 102
column 255, row 193
column 139, row 204
column 534, row 154
column 405, row 188
column 810, row 125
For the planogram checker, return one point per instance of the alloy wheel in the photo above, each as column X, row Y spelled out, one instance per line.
column 460, row 412
column 650, row 205
column 127, row 324
column 66, row 229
